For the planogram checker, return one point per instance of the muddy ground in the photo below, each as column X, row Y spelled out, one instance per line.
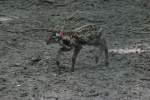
column 27, row 65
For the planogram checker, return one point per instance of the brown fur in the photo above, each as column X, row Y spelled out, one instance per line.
column 84, row 35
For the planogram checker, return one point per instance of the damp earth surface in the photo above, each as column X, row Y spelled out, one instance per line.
column 27, row 65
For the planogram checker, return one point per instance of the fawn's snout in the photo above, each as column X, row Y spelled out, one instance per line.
column 48, row 41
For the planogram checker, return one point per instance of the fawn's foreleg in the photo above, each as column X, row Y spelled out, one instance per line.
column 75, row 54
column 59, row 53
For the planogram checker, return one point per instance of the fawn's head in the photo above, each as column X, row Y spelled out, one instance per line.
column 53, row 38
column 55, row 35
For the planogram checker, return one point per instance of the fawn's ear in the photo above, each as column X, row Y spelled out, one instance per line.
column 57, row 27
column 62, row 28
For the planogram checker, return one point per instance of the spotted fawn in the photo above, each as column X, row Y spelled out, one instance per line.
column 88, row 34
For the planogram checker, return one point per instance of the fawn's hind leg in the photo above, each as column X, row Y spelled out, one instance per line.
column 102, row 46
column 75, row 54
column 58, row 56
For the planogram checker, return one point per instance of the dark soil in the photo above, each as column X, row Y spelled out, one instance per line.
column 27, row 65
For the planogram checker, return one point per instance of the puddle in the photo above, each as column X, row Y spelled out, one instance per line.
column 5, row 19
column 127, row 50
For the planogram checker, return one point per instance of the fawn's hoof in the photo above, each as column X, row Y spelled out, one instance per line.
column 72, row 69
column 96, row 60
column 106, row 63
column 57, row 63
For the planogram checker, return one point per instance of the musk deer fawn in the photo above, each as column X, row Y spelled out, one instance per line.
column 88, row 34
